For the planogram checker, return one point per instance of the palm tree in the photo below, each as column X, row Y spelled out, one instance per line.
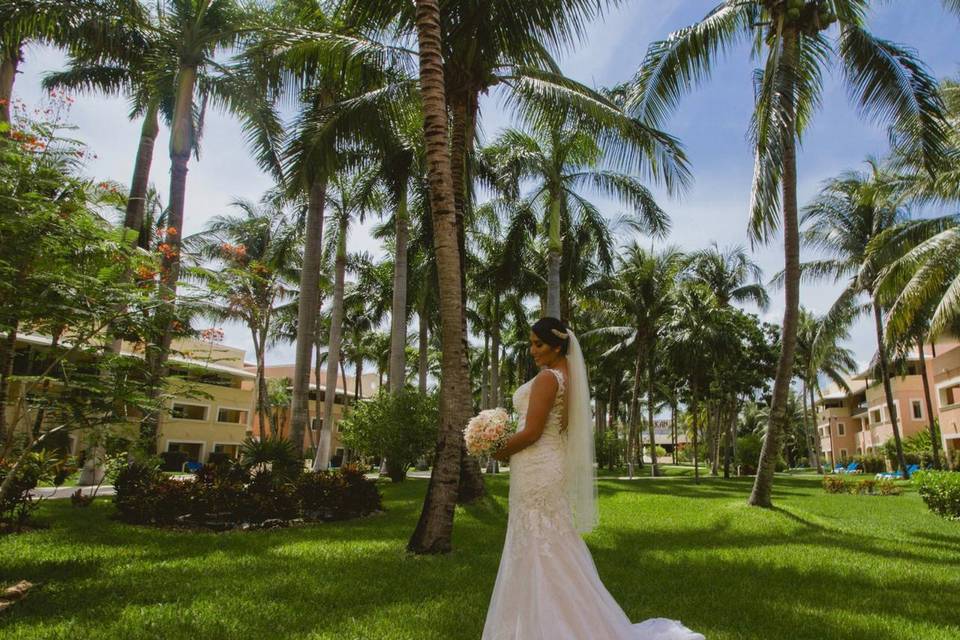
column 819, row 353
column 690, row 339
column 852, row 218
column 139, row 69
column 350, row 197
column 434, row 528
column 307, row 50
column 562, row 162
column 56, row 22
column 730, row 274
column 254, row 252
column 642, row 290
column 883, row 78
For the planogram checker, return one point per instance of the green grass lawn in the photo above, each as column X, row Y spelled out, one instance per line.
column 817, row 567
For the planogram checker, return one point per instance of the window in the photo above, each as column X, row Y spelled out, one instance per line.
column 843, row 454
column 917, row 408
column 184, row 411
column 875, row 416
column 841, row 430
column 233, row 416
column 315, row 423
column 231, row 450
column 192, row 449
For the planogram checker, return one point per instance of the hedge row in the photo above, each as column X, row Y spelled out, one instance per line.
column 228, row 495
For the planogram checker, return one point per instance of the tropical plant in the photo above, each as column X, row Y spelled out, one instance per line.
column 855, row 219
column 62, row 267
column 399, row 426
column 350, row 198
column 884, row 79
column 135, row 65
column 819, row 353
column 642, row 292
column 561, row 163
column 253, row 257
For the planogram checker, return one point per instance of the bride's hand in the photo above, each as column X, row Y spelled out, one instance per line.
column 497, row 455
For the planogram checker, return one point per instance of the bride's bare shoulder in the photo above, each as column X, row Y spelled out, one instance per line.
column 544, row 384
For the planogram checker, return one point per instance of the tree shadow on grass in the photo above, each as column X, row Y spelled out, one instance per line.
column 725, row 579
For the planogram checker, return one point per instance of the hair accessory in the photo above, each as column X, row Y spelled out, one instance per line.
column 560, row 334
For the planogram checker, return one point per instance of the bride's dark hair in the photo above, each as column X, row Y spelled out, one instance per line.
column 553, row 332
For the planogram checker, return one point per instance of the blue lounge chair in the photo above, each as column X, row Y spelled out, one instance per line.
column 853, row 467
column 839, row 468
column 192, row 466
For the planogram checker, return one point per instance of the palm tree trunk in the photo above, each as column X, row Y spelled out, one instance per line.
column 817, row 449
column 322, row 459
column 809, row 421
column 8, row 349
column 673, row 431
column 424, row 348
column 317, row 377
column 435, row 526
column 263, row 396
column 931, row 423
column 307, row 313
column 463, row 107
column 136, row 202
column 767, row 465
column 634, row 413
column 495, row 353
column 553, row 260
column 357, row 386
column 12, row 57
column 654, row 466
column 887, row 390
column 695, row 416
column 398, row 319
column 181, row 145
column 343, row 377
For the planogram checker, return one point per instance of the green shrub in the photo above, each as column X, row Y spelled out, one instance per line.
column 222, row 496
column 835, row 484
column 870, row 463
column 133, row 496
column 888, row 487
column 863, row 486
column 748, row 453
column 273, row 452
column 941, row 491
column 400, row 426
column 18, row 504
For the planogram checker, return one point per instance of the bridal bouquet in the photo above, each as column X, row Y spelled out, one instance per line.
column 488, row 431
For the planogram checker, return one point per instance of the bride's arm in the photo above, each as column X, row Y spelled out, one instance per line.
column 542, row 394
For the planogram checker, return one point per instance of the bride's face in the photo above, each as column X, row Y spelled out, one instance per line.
column 543, row 354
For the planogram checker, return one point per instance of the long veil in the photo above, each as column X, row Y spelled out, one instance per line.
column 579, row 473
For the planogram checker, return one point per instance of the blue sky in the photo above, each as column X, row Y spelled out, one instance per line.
column 711, row 122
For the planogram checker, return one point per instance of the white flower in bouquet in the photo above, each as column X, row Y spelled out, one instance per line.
column 488, row 431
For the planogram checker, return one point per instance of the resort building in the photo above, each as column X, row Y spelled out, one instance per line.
column 212, row 399
column 217, row 415
column 946, row 383
column 857, row 422
column 841, row 417
column 348, row 391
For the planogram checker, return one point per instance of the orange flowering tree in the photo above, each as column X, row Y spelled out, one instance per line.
column 249, row 267
column 63, row 284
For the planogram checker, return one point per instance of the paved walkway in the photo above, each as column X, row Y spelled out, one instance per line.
column 56, row 493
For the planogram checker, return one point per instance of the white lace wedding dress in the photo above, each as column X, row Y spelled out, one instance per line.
column 547, row 586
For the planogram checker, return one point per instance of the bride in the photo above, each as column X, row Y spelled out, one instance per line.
column 547, row 586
